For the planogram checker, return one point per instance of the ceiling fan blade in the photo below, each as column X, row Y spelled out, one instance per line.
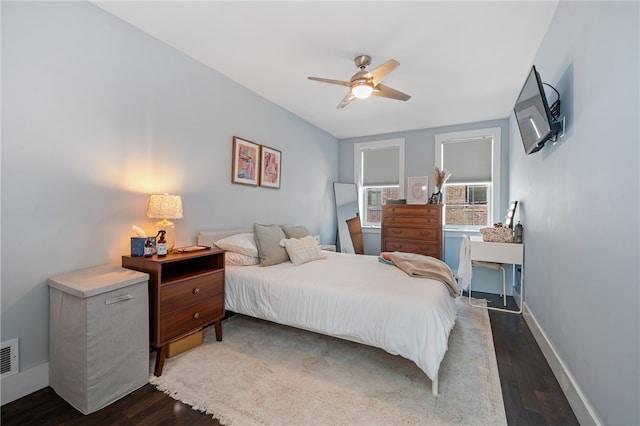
column 346, row 100
column 383, row 70
column 327, row 80
column 387, row 92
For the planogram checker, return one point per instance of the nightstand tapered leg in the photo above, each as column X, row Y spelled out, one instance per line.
column 161, row 355
column 218, row 325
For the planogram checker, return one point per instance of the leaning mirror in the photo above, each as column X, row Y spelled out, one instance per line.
column 346, row 198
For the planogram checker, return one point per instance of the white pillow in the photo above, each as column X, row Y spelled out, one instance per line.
column 238, row 259
column 243, row 243
column 302, row 250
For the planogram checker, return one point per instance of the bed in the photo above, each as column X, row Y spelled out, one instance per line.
column 349, row 296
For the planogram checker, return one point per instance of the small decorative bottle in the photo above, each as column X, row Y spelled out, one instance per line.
column 517, row 233
column 148, row 248
column 161, row 244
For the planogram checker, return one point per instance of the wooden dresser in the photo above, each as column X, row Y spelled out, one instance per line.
column 186, row 292
column 412, row 228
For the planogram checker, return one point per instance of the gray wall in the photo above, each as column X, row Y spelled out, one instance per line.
column 96, row 115
column 579, row 205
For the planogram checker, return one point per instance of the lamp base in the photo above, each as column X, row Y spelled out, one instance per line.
column 170, row 232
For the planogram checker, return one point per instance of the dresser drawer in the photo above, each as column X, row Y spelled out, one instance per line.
column 191, row 318
column 428, row 249
column 185, row 292
column 414, row 221
column 422, row 234
column 421, row 210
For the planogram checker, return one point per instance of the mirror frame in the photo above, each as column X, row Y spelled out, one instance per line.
column 347, row 207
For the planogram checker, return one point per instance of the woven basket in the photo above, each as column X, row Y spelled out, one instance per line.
column 497, row 235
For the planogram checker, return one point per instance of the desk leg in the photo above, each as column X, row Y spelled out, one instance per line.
column 521, row 292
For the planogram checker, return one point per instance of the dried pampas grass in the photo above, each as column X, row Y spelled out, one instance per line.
column 439, row 178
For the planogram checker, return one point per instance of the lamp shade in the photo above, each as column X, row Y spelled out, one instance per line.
column 165, row 206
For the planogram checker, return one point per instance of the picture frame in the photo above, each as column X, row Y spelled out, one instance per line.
column 245, row 162
column 417, row 189
column 270, row 167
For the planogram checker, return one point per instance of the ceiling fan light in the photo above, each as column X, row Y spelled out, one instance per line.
column 362, row 90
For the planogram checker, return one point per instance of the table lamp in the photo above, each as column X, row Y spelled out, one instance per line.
column 165, row 207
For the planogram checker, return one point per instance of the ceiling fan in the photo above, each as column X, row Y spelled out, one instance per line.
column 366, row 83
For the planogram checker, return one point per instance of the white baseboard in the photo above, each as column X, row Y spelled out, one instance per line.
column 583, row 410
column 25, row 382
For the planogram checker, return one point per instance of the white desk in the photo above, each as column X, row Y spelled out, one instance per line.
column 510, row 253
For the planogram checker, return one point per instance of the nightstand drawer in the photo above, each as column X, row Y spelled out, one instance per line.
column 190, row 318
column 422, row 234
column 427, row 249
column 180, row 294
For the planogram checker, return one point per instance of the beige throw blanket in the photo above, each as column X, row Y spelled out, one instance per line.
column 420, row 266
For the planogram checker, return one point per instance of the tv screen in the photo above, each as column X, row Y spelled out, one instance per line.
column 534, row 118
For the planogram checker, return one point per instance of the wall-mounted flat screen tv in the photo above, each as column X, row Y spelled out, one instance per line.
column 536, row 121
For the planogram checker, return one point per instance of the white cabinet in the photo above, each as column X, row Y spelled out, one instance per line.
column 98, row 335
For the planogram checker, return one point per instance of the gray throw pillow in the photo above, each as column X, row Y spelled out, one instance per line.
column 295, row 231
column 268, row 242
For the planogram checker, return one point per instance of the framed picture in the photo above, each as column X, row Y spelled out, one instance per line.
column 245, row 162
column 417, row 190
column 270, row 167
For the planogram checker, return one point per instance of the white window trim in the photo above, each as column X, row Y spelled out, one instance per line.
column 495, row 133
column 358, row 148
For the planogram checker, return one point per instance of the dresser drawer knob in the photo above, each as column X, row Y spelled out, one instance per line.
column 196, row 290
column 196, row 315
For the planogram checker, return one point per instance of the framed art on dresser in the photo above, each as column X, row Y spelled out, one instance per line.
column 417, row 190
column 245, row 162
column 270, row 167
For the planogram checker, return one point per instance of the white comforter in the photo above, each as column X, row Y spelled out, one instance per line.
column 354, row 297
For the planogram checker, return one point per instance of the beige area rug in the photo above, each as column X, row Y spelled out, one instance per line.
column 267, row 374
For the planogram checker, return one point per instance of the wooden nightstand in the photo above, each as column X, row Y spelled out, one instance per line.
column 186, row 293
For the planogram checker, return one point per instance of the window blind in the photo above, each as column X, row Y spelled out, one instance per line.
column 380, row 167
column 468, row 161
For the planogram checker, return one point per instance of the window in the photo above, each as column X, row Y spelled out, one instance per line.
column 379, row 173
column 472, row 193
column 467, row 205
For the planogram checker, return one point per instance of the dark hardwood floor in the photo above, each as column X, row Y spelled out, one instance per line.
column 531, row 393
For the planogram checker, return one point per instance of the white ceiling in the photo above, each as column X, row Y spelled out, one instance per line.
column 461, row 62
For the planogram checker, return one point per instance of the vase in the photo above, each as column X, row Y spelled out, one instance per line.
column 436, row 198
